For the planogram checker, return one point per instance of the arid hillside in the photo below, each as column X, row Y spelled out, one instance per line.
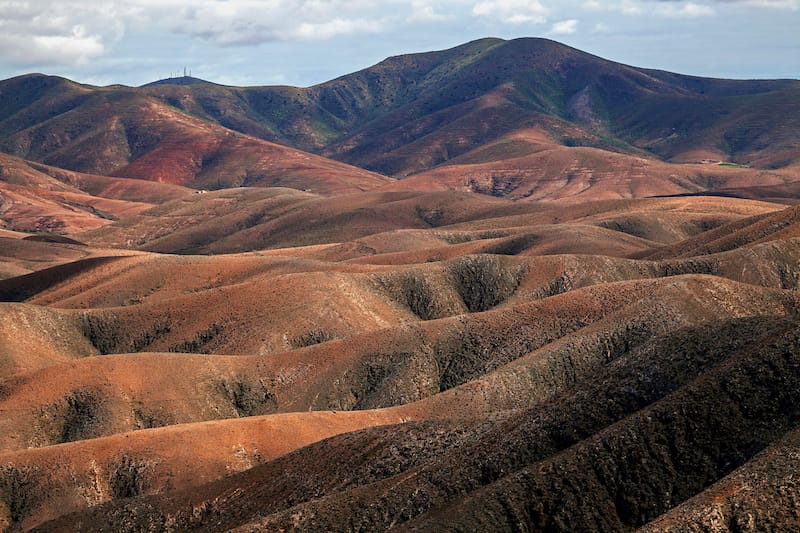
column 526, row 118
column 488, row 360
column 411, row 113
column 122, row 132
column 555, row 293
column 523, row 166
column 42, row 199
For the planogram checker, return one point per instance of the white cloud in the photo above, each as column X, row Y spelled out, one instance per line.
column 425, row 11
column 47, row 32
column 630, row 8
column 77, row 47
column 626, row 7
column 663, row 8
column 682, row 8
column 332, row 28
column 42, row 34
column 685, row 10
column 512, row 11
column 564, row 27
column 243, row 22
column 793, row 5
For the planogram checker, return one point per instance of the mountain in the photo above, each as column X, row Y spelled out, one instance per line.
column 411, row 113
column 39, row 198
column 522, row 167
column 491, row 116
column 179, row 80
column 525, row 467
column 544, row 385
column 122, row 132
column 427, row 340
column 575, row 305
column 371, row 224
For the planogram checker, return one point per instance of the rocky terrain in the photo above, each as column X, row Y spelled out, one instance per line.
column 512, row 289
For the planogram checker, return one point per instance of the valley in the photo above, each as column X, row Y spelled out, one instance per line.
column 506, row 286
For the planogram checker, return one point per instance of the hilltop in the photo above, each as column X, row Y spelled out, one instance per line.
column 122, row 132
column 434, row 107
column 506, row 286
column 507, row 118
column 180, row 80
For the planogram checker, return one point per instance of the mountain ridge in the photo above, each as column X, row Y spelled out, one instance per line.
column 345, row 95
column 180, row 80
column 528, row 119
column 409, row 113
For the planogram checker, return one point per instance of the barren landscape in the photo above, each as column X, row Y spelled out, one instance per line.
column 509, row 286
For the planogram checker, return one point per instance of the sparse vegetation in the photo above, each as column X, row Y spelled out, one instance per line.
column 20, row 491
column 432, row 217
column 428, row 297
column 248, row 398
column 460, row 238
column 203, row 342
column 484, row 282
column 419, row 297
column 604, row 339
column 514, row 245
column 312, row 337
column 129, row 477
column 101, row 330
column 84, row 416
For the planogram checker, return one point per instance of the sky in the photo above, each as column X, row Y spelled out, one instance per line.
column 304, row 42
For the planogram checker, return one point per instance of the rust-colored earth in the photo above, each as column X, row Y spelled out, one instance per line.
column 541, row 321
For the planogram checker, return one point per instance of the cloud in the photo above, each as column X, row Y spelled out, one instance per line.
column 332, row 28
column 626, row 7
column 247, row 22
column 425, row 11
column 512, row 11
column 47, row 32
column 793, row 5
column 683, row 10
column 564, row 27
column 688, row 8
column 662, row 8
column 74, row 49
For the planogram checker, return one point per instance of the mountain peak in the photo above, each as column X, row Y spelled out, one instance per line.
column 180, row 80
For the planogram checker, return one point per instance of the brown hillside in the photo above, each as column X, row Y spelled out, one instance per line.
column 491, row 464
column 784, row 224
column 758, row 495
column 524, row 166
column 459, row 350
column 577, row 307
column 119, row 132
column 467, row 108
column 34, row 201
column 89, row 409
column 250, row 219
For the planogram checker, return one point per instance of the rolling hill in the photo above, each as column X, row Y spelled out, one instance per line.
column 527, row 118
column 411, row 113
column 574, row 305
column 488, row 329
column 121, row 132
column 39, row 198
